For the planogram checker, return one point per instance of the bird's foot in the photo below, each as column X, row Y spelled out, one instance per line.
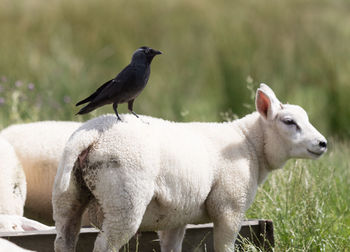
column 138, row 117
column 134, row 114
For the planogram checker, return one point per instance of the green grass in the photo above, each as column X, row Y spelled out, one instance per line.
column 68, row 48
column 308, row 202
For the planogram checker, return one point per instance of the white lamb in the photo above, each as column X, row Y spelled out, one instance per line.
column 12, row 197
column 12, row 181
column 34, row 148
column 164, row 175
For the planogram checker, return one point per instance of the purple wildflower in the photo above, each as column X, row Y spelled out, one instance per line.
column 18, row 83
column 2, row 100
column 31, row 86
column 3, row 79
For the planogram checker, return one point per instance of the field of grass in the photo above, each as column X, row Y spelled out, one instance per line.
column 54, row 53
column 212, row 49
column 308, row 202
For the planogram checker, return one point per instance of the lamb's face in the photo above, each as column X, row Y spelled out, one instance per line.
column 300, row 138
column 291, row 135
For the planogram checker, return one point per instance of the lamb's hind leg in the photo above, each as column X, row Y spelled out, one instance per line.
column 171, row 239
column 68, row 209
column 124, row 199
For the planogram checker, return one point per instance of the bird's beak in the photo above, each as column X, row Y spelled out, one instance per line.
column 157, row 52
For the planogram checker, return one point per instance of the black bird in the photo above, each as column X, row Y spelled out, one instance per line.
column 126, row 86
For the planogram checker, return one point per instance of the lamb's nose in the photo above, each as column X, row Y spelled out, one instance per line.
column 323, row 144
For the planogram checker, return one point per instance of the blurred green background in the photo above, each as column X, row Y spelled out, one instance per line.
column 54, row 53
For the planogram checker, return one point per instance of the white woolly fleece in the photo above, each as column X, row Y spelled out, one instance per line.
column 38, row 147
column 12, row 181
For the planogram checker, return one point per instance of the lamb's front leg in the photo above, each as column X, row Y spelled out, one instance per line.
column 227, row 214
column 171, row 239
column 226, row 229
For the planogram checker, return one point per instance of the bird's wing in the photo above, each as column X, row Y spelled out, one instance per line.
column 119, row 85
column 107, row 93
column 112, row 88
column 98, row 91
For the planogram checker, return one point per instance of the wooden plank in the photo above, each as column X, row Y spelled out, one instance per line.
column 198, row 238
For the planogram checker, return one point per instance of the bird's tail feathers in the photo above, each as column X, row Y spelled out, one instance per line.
column 88, row 108
column 91, row 97
column 86, row 99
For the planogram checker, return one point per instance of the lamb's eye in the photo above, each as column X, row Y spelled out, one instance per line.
column 289, row 121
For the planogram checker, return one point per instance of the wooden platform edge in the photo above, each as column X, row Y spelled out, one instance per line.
column 198, row 238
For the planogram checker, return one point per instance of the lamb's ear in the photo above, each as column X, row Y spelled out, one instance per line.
column 266, row 102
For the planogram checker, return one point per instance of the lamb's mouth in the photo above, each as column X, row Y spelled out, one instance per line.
column 315, row 153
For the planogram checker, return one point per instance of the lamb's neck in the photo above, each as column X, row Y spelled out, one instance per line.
column 254, row 130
